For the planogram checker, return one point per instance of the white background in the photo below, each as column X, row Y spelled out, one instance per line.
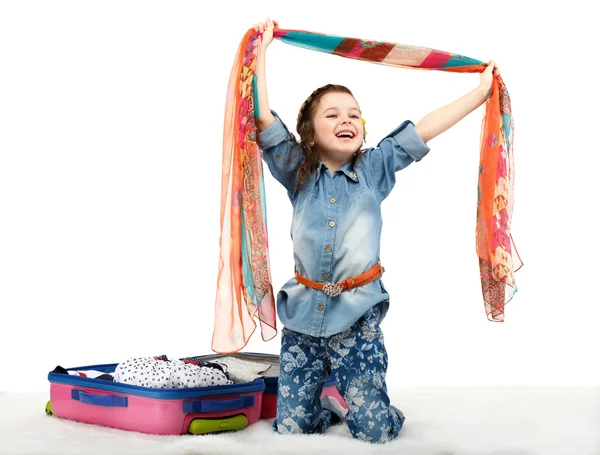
column 111, row 117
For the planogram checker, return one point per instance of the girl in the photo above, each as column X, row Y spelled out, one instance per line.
column 336, row 189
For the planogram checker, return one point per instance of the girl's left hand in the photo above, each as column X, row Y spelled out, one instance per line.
column 486, row 78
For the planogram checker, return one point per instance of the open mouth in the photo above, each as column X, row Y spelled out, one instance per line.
column 345, row 136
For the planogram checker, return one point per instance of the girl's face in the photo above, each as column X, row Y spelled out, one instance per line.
column 338, row 128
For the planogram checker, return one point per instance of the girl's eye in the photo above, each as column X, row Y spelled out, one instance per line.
column 331, row 115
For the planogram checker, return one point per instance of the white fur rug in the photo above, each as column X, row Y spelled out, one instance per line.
column 439, row 421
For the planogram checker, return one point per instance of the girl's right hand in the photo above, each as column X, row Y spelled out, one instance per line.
column 266, row 28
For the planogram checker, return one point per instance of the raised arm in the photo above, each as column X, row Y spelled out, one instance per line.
column 265, row 118
column 441, row 119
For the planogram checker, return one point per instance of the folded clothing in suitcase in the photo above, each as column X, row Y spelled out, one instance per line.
column 169, row 411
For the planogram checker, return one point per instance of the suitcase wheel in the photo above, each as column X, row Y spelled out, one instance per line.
column 203, row 426
column 49, row 408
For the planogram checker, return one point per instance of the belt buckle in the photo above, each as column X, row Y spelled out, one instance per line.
column 332, row 289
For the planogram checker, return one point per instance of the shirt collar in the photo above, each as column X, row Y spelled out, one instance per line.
column 347, row 169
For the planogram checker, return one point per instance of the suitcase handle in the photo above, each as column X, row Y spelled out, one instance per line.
column 218, row 405
column 99, row 400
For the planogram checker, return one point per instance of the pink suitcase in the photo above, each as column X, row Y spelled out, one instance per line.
column 157, row 411
column 169, row 411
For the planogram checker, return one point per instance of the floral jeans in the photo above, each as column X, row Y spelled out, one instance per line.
column 357, row 359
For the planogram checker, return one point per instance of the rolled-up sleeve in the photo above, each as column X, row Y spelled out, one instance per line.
column 395, row 152
column 281, row 152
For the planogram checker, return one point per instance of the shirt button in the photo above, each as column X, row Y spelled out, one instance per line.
column 325, row 276
column 332, row 200
column 332, row 223
column 328, row 248
column 321, row 307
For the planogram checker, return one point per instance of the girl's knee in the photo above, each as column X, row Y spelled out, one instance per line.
column 290, row 425
column 377, row 435
column 378, row 429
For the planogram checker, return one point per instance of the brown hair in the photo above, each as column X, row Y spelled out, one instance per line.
column 305, row 128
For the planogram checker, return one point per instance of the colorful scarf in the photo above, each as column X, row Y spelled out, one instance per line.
column 244, row 288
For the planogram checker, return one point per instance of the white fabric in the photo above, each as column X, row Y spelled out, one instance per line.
column 439, row 421
column 173, row 374
column 242, row 370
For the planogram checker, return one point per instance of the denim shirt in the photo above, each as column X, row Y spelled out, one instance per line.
column 336, row 226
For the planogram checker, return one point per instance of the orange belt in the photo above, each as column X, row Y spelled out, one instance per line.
column 333, row 289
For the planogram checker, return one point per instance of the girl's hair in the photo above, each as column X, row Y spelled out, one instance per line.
column 305, row 128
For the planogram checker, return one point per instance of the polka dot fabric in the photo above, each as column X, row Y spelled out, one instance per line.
column 173, row 374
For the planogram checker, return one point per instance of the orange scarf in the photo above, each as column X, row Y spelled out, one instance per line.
column 244, row 288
